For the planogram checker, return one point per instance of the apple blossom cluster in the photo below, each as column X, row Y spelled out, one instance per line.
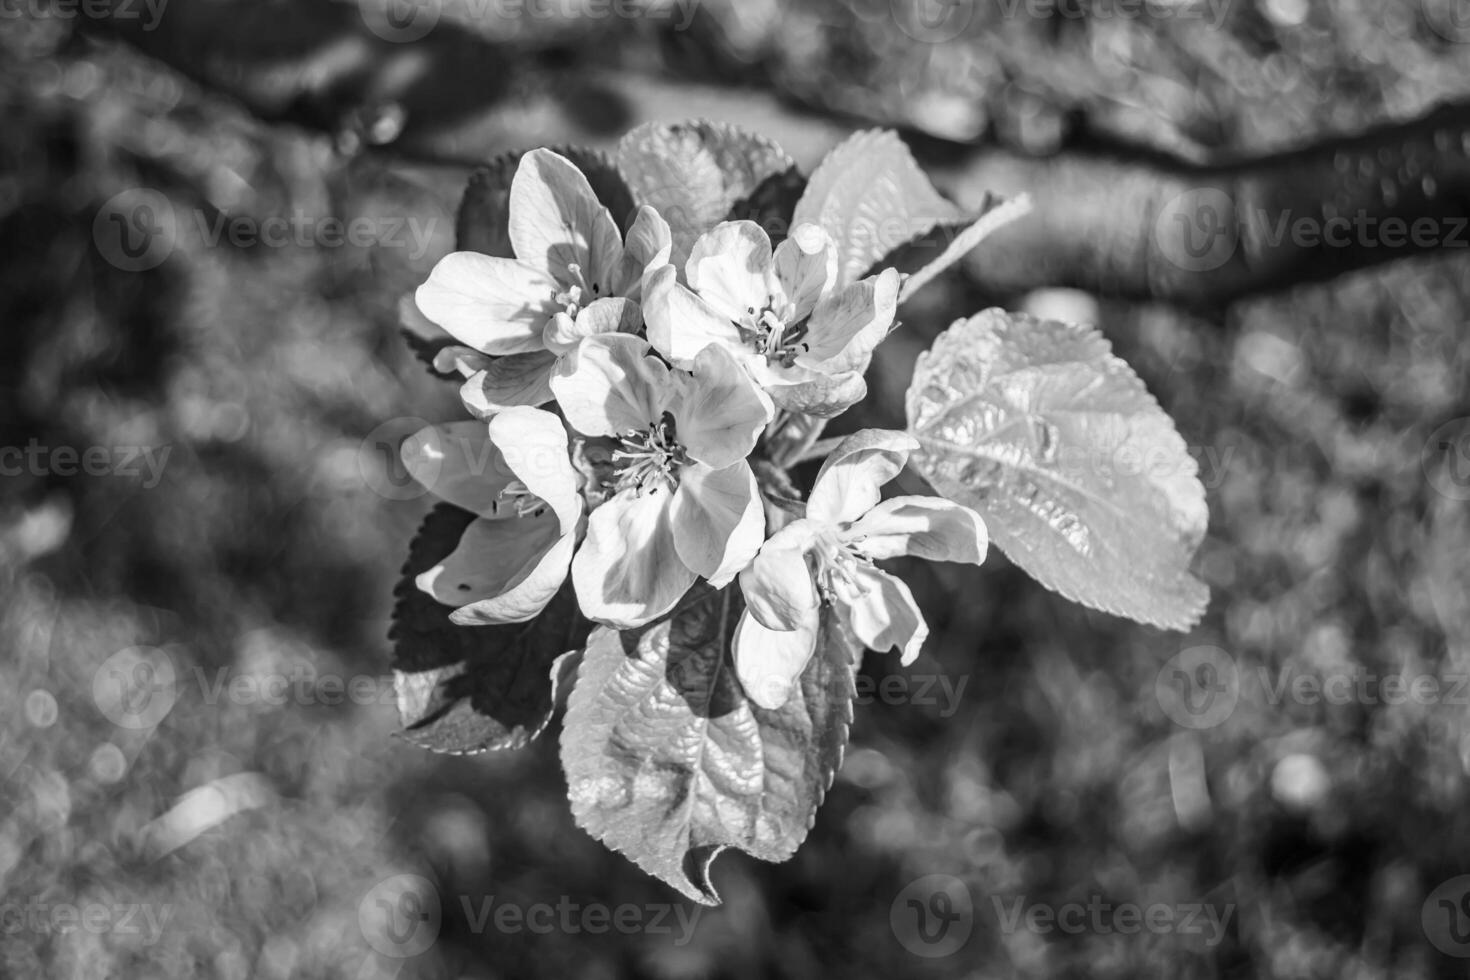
column 620, row 403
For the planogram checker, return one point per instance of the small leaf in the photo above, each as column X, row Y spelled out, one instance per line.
column 1081, row 477
column 483, row 223
column 772, row 203
column 955, row 241
column 872, row 198
column 464, row 689
column 668, row 762
column 695, row 173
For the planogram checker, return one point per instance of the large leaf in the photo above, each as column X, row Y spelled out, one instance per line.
column 873, row 199
column 1081, row 477
column 695, row 173
column 464, row 689
column 668, row 762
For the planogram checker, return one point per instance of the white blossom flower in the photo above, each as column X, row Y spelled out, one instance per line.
column 829, row 555
column 803, row 338
column 516, row 475
column 684, row 501
column 573, row 276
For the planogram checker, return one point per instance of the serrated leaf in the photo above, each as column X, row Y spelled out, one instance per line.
column 872, row 198
column 772, row 203
column 668, row 762
column 694, row 173
column 464, row 689
column 1082, row 479
column 483, row 221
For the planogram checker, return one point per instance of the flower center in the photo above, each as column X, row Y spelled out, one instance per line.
column 571, row 299
column 518, row 497
column 772, row 334
column 649, row 460
column 837, row 564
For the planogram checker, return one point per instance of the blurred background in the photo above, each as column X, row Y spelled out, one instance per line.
column 208, row 212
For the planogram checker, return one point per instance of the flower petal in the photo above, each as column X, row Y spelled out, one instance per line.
column 517, row 379
column 648, row 246
column 823, row 396
column 719, row 520
column 680, row 323
column 848, row 483
column 464, row 361
column 847, row 325
column 495, row 305
column 534, row 444
column 457, row 463
column 778, row 585
column 627, row 572
column 556, row 221
column 719, row 411
column 506, row 570
column 527, row 594
column 885, row 615
column 806, row 262
column 730, row 268
column 612, row 383
column 769, row 662
column 614, row 314
column 924, row 527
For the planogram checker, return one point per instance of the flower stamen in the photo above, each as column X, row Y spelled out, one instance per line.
column 837, row 565
column 773, row 335
column 519, row 497
column 649, row 460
